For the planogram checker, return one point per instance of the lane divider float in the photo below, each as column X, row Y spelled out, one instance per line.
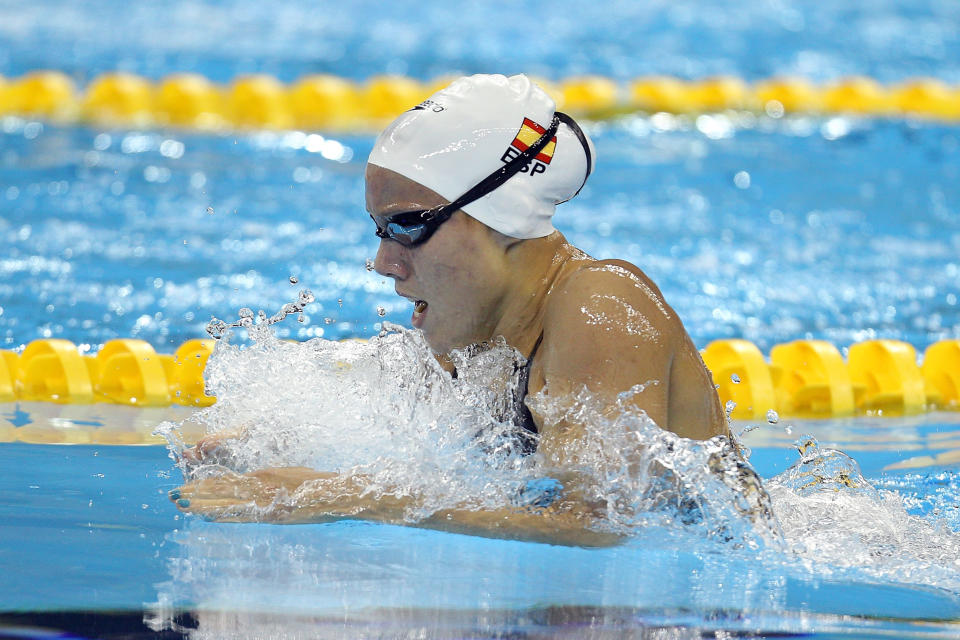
column 803, row 378
column 51, row 393
column 809, row 378
column 328, row 102
column 124, row 371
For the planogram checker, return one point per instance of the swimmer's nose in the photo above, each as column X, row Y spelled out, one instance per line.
column 390, row 260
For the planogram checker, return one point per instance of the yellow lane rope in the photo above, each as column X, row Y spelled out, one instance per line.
column 52, row 394
column 333, row 103
column 804, row 378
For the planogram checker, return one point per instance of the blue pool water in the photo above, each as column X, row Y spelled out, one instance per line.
column 886, row 39
column 842, row 237
column 768, row 229
column 89, row 528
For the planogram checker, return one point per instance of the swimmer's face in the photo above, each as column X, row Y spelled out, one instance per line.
column 456, row 280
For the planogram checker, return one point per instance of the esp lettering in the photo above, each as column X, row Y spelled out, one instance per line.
column 533, row 168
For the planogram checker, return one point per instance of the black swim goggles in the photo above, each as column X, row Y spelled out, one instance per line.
column 411, row 228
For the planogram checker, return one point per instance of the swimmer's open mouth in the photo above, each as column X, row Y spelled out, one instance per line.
column 419, row 313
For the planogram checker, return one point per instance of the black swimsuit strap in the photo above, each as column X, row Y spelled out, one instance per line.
column 529, row 364
column 523, row 417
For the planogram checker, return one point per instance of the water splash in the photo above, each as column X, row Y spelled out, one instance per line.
column 645, row 476
column 218, row 329
column 386, row 411
column 835, row 520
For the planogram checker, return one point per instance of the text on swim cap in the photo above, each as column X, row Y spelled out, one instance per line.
column 429, row 105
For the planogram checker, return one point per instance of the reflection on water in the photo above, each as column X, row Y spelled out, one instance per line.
column 574, row 622
column 245, row 579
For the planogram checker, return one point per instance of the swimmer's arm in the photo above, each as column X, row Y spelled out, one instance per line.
column 552, row 526
column 294, row 495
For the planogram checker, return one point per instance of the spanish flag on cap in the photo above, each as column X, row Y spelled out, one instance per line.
column 529, row 133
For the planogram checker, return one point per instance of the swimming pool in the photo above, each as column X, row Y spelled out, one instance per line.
column 770, row 229
column 89, row 530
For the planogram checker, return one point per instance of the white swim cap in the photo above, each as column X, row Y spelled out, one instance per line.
column 465, row 132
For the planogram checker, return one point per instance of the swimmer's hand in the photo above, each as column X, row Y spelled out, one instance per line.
column 267, row 495
column 212, row 449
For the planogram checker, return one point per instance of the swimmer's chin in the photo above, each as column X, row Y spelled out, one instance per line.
column 433, row 332
column 441, row 345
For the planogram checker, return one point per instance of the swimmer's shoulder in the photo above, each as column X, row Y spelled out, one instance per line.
column 588, row 278
column 600, row 330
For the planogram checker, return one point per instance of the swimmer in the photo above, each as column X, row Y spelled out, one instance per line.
column 462, row 189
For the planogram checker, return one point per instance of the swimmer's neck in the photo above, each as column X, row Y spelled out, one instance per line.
column 539, row 264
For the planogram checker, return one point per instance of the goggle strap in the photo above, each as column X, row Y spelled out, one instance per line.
column 502, row 174
column 577, row 131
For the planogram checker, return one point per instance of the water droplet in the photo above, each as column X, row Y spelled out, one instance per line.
column 729, row 407
column 748, row 429
column 773, row 417
column 328, row 321
column 306, row 297
column 262, row 315
column 369, row 264
column 216, row 328
column 246, row 317
column 735, row 379
column 807, row 446
column 294, row 280
column 742, row 180
column 774, row 109
column 381, row 311
column 210, row 210
column 300, row 318
column 788, row 429
column 340, row 302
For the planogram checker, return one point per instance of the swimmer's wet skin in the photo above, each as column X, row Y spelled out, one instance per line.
column 466, row 234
